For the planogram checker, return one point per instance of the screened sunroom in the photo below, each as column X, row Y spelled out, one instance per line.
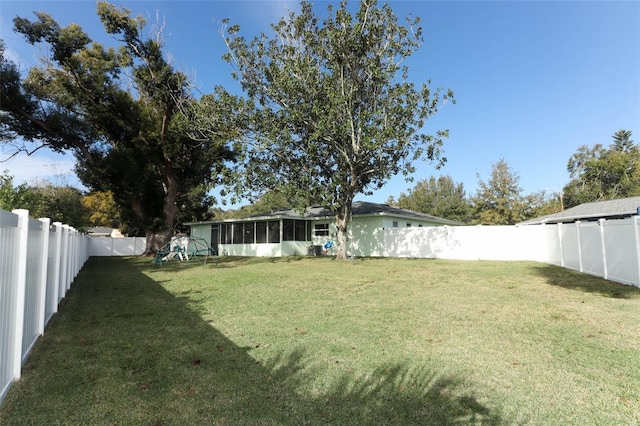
column 287, row 233
column 274, row 236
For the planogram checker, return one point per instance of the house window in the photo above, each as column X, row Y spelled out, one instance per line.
column 261, row 232
column 321, row 230
column 287, row 229
column 294, row 230
column 408, row 225
column 395, row 224
column 238, row 233
column 249, row 236
column 273, row 229
column 225, row 233
column 300, row 227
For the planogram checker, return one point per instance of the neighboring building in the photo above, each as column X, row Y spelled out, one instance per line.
column 287, row 232
column 612, row 209
column 103, row 231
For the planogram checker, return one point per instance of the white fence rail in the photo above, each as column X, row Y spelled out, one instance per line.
column 38, row 263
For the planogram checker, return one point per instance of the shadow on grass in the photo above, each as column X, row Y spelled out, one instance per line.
column 573, row 280
column 239, row 261
column 123, row 350
column 229, row 262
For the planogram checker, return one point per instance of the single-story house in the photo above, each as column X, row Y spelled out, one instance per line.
column 611, row 209
column 287, row 232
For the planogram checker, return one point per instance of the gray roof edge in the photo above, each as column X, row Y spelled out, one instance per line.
column 592, row 210
column 320, row 213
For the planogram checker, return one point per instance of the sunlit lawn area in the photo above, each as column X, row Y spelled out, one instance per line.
column 313, row 341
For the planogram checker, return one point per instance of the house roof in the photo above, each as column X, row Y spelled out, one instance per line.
column 99, row 230
column 358, row 208
column 361, row 208
column 612, row 209
column 104, row 231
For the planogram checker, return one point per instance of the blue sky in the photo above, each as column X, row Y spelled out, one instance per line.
column 533, row 80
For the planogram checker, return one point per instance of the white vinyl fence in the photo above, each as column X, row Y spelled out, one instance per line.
column 107, row 246
column 606, row 248
column 39, row 261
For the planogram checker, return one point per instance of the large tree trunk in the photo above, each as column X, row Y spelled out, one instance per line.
column 157, row 239
column 343, row 217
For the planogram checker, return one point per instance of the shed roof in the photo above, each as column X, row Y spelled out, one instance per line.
column 619, row 208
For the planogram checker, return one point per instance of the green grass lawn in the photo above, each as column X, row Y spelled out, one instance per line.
column 313, row 340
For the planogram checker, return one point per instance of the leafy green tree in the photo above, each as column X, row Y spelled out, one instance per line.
column 622, row 141
column 538, row 204
column 102, row 209
column 59, row 203
column 440, row 197
column 499, row 201
column 545, row 203
column 599, row 173
column 334, row 113
column 271, row 201
column 6, row 191
column 11, row 196
column 138, row 144
column 14, row 127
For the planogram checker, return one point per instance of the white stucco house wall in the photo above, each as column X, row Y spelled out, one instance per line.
column 288, row 233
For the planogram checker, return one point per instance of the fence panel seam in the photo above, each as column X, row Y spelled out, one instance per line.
column 605, row 268
column 44, row 258
column 637, row 241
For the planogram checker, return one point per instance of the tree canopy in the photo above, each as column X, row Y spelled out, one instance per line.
column 124, row 112
column 599, row 173
column 441, row 197
column 499, row 200
column 102, row 210
column 42, row 199
column 11, row 197
column 332, row 112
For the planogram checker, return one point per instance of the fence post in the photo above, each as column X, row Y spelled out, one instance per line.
column 15, row 361
column 73, row 249
column 43, row 273
column 636, row 238
column 64, row 262
column 605, row 271
column 55, row 298
column 560, row 243
column 579, row 245
column 70, row 251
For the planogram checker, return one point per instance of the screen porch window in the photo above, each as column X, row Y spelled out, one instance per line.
column 295, row 230
column 256, row 232
column 249, row 235
column 273, row 229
